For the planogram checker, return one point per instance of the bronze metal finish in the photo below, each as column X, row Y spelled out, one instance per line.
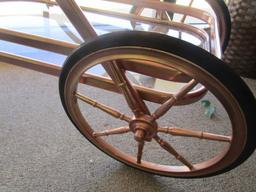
column 145, row 126
column 170, row 102
column 115, row 113
column 171, row 150
column 191, row 133
column 140, row 151
column 114, row 131
column 74, row 12
column 156, row 64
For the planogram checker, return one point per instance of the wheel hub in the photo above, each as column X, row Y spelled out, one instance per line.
column 144, row 128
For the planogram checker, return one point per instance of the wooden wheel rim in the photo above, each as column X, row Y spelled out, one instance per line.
column 226, row 157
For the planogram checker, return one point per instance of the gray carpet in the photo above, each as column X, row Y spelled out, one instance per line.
column 40, row 150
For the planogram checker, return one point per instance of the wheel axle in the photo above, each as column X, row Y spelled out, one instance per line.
column 144, row 128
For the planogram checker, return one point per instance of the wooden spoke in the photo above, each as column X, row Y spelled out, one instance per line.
column 132, row 97
column 115, row 131
column 198, row 134
column 170, row 102
column 171, row 150
column 115, row 113
column 140, row 151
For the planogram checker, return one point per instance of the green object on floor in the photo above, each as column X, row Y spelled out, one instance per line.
column 209, row 108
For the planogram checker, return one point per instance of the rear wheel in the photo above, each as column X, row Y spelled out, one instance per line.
column 163, row 147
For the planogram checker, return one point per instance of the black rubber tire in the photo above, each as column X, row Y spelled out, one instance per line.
column 225, row 26
column 198, row 56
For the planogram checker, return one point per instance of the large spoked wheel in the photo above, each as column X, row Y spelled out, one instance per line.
column 157, row 150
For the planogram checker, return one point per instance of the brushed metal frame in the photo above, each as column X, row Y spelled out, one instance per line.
column 211, row 39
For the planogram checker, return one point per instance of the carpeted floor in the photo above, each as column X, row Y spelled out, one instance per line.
column 40, row 150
